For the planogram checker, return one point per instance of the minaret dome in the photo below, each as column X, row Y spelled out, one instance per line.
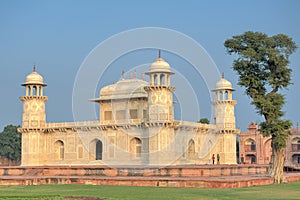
column 34, row 78
column 160, row 72
column 223, row 84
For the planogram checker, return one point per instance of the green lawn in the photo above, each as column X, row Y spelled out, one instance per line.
column 284, row 191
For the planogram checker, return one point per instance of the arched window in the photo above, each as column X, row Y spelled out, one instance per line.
column 99, row 150
column 296, row 144
column 191, row 150
column 34, row 92
column 162, row 79
column 96, row 149
column 155, row 79
column 135, row 147
column 250, row 145
column 59, row 150
column 226, row 95
column 220, row 95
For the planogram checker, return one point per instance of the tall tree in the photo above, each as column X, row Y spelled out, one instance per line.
column 10, row 143
column 262, row 66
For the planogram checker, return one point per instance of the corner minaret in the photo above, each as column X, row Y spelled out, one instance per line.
column 224, row 105
column 160, row 91
column 160, row 117
column 34, row 114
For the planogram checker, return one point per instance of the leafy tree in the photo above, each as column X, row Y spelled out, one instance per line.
column 261, row 64
column 204, row 121
column 10, row 143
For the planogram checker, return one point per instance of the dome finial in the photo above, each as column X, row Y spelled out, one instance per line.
column 159, row 53
column 34, row 68
column 223, row 75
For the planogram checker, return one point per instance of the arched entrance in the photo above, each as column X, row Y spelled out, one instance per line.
column 99, row 150
column 251, row 158
column 59, row 150
column 135, row 148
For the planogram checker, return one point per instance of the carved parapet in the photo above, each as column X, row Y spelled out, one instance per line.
column 170, row 124
column 25, row 98
column 228, row 131
column 158, row 87
column 231, row 102
column 30, row 130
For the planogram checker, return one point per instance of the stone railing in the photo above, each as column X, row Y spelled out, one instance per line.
column 72, row 124
column 121, row 122
column 94, row 123
column 196, row 125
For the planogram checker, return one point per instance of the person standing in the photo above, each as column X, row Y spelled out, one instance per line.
column 213, row 158
column 218, row 159
column 242, row 159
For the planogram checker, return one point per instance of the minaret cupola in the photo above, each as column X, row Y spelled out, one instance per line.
column 34, row 114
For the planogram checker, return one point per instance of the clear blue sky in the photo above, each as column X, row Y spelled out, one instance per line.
column 58, row 35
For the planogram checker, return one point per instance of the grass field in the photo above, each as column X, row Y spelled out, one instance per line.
column 284, row 191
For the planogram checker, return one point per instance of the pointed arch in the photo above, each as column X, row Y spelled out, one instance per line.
column 191, row 150
column 155, row 79
column 99, row 150
column 59, row 150
column 226, row 95
column 220, row 95
column 296, row 140
column 34, row 91
column 135, row 147
column 96, row 149
column 162, row 79
column 250, row 145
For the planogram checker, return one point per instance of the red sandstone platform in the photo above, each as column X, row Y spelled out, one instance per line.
column 202, row 176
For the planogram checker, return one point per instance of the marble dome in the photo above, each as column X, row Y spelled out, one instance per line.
column 34, row 78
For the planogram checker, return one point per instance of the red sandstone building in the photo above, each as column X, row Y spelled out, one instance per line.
column 254, row 148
